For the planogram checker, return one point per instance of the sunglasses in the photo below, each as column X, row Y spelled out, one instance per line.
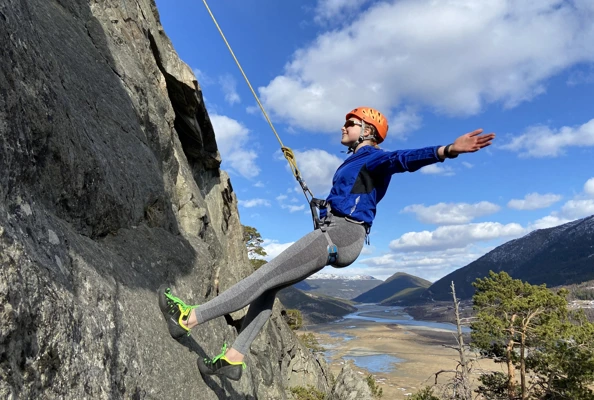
column 349, row 123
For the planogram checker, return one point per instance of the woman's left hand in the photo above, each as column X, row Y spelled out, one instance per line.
column 471, row 142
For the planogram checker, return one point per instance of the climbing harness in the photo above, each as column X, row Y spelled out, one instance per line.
column 323, row 226
column 314, row 203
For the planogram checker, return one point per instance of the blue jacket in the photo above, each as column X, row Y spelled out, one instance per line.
column 361, row 181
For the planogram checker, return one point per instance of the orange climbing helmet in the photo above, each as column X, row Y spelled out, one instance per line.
column 373, row 117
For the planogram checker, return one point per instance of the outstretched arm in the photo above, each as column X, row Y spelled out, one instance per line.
column 412, row 160
column 467, row 143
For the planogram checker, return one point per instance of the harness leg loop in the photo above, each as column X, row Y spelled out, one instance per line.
column 323, row 226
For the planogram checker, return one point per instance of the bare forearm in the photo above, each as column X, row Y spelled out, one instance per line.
column 441, row 153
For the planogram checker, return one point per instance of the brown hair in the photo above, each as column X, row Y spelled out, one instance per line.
column 372, row 132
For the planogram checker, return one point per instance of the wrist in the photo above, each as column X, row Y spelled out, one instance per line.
column 441, row 153
column 447, row 152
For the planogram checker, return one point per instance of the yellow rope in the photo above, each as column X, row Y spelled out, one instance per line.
column 287, row 152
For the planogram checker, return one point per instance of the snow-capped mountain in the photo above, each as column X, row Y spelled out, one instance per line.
column 320, row 275
column 339, row 286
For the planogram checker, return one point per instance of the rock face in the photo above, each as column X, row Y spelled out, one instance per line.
column 110, row 185
column 349, row 386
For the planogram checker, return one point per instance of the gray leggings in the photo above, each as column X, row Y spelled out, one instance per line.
column 303, row 258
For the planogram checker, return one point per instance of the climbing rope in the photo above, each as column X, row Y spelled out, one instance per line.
column 287, row 152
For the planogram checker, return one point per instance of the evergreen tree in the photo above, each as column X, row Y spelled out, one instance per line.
column 564, row 363
column 253, row 242
column 529, row 328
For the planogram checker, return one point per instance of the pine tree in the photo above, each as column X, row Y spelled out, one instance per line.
column 530, row 329
column 253, row 242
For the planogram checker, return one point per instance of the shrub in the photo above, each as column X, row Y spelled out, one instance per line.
column 376, row 391
column 424, row 394
column 294, row 319
column 307, row 393
column 310, row 341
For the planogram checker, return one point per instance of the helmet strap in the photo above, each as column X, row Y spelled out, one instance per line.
column 361, row 139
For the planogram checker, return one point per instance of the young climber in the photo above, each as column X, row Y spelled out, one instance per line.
column 359, row 184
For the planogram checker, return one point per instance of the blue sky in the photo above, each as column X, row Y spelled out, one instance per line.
column 438, row 69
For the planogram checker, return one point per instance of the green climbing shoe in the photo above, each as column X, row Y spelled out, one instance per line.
column 221, row 366
column 175, row 312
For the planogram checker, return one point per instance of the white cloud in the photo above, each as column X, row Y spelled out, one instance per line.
column 452, row 56
column 253, row 203
column 259, row 184
column 582, row 205
column 430, row 265
column 283, row 201
column 407, row 261
column 367, row 250
column 273, row 248
column 202, row 77
column 436, row 169
column 542, row 141
column 548, row 222
column 228, row 86
column 571, row 210
column 451, row 213
column 292, row 208
column 254, row 109
column 232, row 138
column 455, row 236
column 433, row 254
column 467, row 164
column 327, row 10
column 534, row 201
column 589, row 187
column 317, row 169
column 581, row 77
column 404, row 122
column 575, row 209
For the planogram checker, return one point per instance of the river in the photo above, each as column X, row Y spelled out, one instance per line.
column 366, row 315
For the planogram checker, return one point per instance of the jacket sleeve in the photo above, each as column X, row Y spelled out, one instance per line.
column 391, row 162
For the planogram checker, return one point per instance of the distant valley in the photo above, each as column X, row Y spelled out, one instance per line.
column 562, row 255
column 338, row 286
column 326, row 297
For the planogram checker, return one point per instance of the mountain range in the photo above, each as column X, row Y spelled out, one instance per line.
column 398, row 286
column 561, row 255
column 338, row 286
column 325, row 276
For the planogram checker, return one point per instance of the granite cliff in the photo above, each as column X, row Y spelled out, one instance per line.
column 110, row 184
